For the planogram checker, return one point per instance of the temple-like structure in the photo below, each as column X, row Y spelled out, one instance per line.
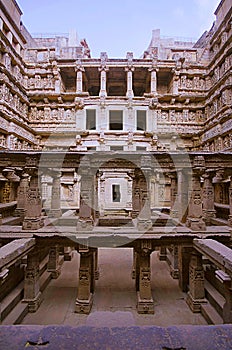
column 132, row 152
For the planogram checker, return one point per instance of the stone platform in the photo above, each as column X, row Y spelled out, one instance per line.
column 136, row 338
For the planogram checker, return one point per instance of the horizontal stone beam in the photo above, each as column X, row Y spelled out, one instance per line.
column 216, row 252
column 15, row 250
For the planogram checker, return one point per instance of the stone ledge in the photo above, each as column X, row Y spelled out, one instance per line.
column 136, row 338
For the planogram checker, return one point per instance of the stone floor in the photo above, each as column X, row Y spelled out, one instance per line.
column 115, row 297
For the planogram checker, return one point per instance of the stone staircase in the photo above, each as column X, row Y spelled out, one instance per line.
column 13, row 310
column 212, row 311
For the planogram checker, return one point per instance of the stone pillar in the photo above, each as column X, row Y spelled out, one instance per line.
column 182, row 193
column 32, row 294
column 154, row 81
column 96, row 269
column 129, row 92
column 55, row 211
column 135, row 196
column 53, row 262
column 103, row 92
column 133, row 273
column 230, row 202
column 145, row 303
column 68, row 253
column 208, row 199
column 33, row 219
column 84, row 299
column 22, row 196
column 194, row 220
column 196, row 293
column 173, row 199
column 184, row 255
column 173, row 261
column 176, row 83
column 79, row 82
column 85, row 221
column 162, row 254
column 225, row 279
column 144, row 219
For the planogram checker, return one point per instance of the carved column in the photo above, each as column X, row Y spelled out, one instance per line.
column 84, row 299
column 176, row 78
column 55, row 210
column 85, row 221
column 53, row 261
column 32, row 294
column 79, row 83
column 196, row 294
column 208, row 199
column 129, row 92
column 144, row 219
column 230, row 202
column 22, row 196
column 68, row 253
column 162, row 254
column 103, row 92
column 154, row 81
column 173, row 199
column 33, row 219
column 182, row 193
column 145, row 303
column 173, row 261
column 96, row 269
column 194, row 220
column 135, row 195
column 184, row 256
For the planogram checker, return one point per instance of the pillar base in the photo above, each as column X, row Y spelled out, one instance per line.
column 54, row 213
column 84, row 306
column 55, row 273
column 145, row 306
column 174, row 273
column 195, row 304
column 33, row 304
column 208, row 215
column 196, row 224
column 20, row 212
column 134, row 214
column 230, row 220
column 68, row 256
column 133, row 274
column 96, row 275
column 144, row 224
column 33, row 223
column 162, row 254
column 85, row 225
column 174, row 214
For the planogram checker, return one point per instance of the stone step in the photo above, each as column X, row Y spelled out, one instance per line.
column 11, row 220
column 16, row 315
column 214, row 297
column 210, row 314
column 11, row 300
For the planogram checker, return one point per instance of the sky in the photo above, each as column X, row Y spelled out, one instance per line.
column 119, row 26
